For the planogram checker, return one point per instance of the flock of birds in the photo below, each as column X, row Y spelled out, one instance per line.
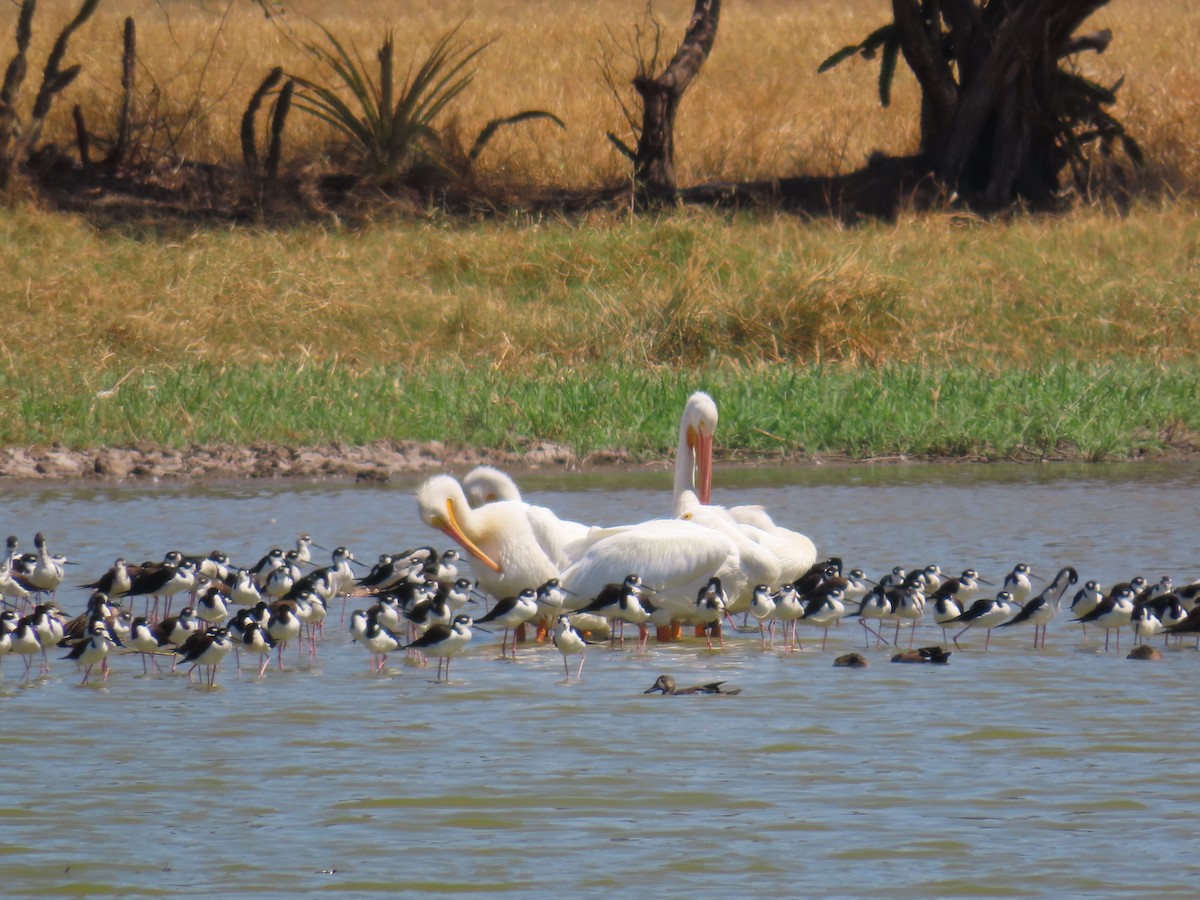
column 699, row 567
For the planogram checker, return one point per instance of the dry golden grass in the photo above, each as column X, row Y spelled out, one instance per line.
column 694, row 288
column 759, row 109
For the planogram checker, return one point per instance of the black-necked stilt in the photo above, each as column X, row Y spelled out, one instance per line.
column 712, row 605
column 946, row 605
column 824, row 610
column 49, row 627
column 788, row 610
column 211, row 607
column 1019, row 583
column 445, row 642
column 15, row 586
column 875, row 605
column 762, row 607
column 1086, row 599
column 145, row 641
column 94, row 649
column 926, row 579
column 248, row 635
column 283, row 626
column 908, row 605
column 115, row 582
column 461, row 593
column 621, row 603
column 24, row 641
column 281, row 578
column 569, row 641
column 665, row 685
column 1114, row 611
column 163, row 581
column 894, row 578
column 1168, row 609
column 986, row 613
column 206, row 648
column 512, row 612
column 380, row 641
column 1042, row 609
column 48, row 572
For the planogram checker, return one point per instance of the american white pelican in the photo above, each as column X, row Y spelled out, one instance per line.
column 793, row 553
column 502, row 549
column 674, row 558
column 486, row 484
column 758, row 563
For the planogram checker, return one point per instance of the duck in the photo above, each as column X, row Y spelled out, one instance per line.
column 935, row 655
column 850, row 660
column 665, row 684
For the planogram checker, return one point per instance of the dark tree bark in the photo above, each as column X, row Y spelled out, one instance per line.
column 654, row 159
column 997, row 115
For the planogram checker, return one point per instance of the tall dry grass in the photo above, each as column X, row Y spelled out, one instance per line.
column 692, row 289
column 758, row 111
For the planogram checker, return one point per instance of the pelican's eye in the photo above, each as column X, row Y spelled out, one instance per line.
column 687, row 517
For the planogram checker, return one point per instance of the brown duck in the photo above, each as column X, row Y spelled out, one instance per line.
column 666, row 685
column 923, row 655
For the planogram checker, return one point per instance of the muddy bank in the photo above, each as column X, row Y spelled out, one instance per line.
column 373, row 462
column 384, row 460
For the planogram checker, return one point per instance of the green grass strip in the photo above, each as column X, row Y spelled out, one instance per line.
column 1121, row 411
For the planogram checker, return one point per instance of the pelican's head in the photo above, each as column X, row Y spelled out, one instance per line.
column 696, row 430
column 487, row 484
column 443, row 506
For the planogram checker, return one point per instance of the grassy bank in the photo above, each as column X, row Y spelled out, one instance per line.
column 1121, row 411
column 1072, row 335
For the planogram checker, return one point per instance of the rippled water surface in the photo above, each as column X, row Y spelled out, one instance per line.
column 1012, row 772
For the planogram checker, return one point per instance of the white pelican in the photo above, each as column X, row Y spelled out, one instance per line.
column 503, row 551
column 793, row 553
column 487, row 484
column 758, row 563
column 674, row 558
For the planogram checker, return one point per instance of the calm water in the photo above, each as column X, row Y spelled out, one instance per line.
column 1014, row 772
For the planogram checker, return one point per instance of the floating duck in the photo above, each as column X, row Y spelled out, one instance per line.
column 1146, row 652
column 666, row 685
column 851, row 661
column 923, row 655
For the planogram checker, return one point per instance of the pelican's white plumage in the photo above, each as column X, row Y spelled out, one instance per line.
column 503, row 551
column 487, row 484
column 674, row 558
column 758, row 564
column 793, row 553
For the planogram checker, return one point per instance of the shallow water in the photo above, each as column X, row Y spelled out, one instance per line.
column 1012, row 772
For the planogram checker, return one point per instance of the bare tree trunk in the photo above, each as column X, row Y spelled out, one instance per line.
column 992, row 132
column 654, row 159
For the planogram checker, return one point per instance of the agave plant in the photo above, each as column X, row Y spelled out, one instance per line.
column 389, row 125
